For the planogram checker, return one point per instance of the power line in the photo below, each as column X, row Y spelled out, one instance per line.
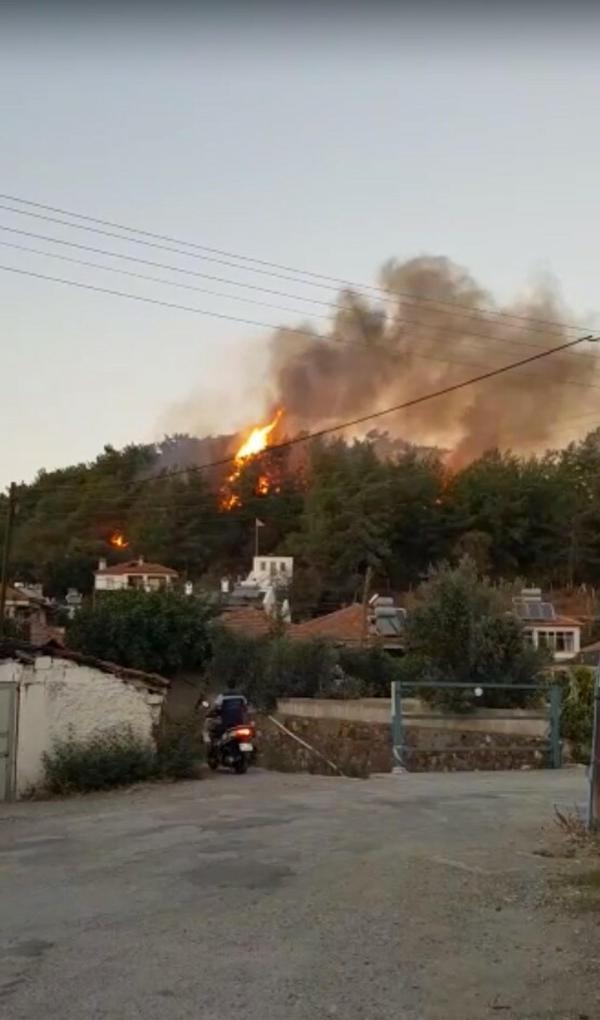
column 297, row 331
column 361, row 419
column 212, row 520
column 333, row 305
column 215, row 514
column 155, row 279
column 314, row 276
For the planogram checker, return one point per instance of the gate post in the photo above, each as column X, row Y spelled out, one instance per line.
column 397, row 726
column 555, row 714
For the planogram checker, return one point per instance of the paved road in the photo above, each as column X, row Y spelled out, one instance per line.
column 291, row 897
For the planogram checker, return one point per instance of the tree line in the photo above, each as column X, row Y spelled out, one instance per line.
column 338, row 508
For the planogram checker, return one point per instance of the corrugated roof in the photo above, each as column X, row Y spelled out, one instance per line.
column 135, row 568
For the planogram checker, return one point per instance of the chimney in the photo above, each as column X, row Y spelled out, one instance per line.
column 140, row 561
column 225, row 586
column 102, row 563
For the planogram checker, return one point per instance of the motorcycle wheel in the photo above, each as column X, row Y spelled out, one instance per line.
column 240, row 766
column 213, row 762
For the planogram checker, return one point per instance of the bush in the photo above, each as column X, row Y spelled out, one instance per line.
column 578, row 710
column 460, row 632
column 179, row 750
column 373, row 667
column 158, row 632
column 113, row 758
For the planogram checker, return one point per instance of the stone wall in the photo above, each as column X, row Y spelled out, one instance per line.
column 362, row 748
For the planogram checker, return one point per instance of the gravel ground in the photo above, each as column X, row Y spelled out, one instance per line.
column 294, row 897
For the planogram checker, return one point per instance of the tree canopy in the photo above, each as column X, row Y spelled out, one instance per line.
column 461, row 632
column 158, row 632
column 338, row 507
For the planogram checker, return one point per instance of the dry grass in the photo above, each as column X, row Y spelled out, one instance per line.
column 581, row 886
column 572, row 825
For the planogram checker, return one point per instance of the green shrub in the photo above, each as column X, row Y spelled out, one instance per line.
column 578, row 710
column 114, row 758
column 179, row 750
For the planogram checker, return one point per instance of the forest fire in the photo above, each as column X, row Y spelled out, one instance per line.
column 255, row 443
column 118, row 540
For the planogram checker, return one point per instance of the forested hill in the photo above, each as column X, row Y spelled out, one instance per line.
column 337, row 509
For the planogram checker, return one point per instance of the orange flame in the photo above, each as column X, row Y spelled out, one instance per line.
column 257, row 440
column 118, row 540
column 255, row 443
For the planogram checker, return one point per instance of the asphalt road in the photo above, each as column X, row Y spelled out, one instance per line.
column 293, row 897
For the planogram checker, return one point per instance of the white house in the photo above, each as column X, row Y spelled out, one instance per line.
column 271, row 570
column 544, row 628
column 45, row 698
column 134, row 574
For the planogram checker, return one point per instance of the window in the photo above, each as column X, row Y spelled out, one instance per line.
column 565, row 641
column 272, row 568
column 557, row 640
column 263, row 566
column 283, row 567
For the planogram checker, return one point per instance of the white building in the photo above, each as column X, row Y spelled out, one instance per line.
column 134, row 574
column 47, row 698
column 271, row 570
column 544, row 628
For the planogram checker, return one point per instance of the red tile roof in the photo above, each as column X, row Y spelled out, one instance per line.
column 344, row 625
column 135, row 568
column 246, row 620
column 558, row 621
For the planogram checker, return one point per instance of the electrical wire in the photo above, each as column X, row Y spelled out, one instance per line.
column 215, row 515
column 296, row 331
column 361, row 419
column 314, row 276
column 332, row 305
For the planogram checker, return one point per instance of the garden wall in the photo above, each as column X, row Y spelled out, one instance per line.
column 356, row 736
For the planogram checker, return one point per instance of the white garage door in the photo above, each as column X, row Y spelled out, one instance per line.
column 7, row 730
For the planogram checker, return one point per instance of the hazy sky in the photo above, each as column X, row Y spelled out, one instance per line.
column 328, row 144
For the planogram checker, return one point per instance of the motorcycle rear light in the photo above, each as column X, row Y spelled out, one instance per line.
column 243, row 731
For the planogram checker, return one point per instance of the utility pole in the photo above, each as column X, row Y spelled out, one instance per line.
column 594, row 808
column 365, row 605
column 8, row 528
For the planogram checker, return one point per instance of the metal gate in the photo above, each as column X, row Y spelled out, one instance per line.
column 547, row 708
column 7, row 740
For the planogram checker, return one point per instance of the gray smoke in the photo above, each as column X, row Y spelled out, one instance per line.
column 383, row 352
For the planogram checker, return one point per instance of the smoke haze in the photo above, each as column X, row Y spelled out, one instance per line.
column 430, row 326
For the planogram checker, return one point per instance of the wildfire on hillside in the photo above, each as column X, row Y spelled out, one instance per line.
column 257, row 440
column 118, row 540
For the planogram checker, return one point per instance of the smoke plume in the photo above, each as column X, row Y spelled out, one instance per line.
column 432, row 328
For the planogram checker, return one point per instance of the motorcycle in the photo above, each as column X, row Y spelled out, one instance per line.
column 232, row 749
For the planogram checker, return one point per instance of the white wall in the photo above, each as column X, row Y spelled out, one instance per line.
column 558, row 656
column 57, row 697
column 118, row 582
column 272, row 568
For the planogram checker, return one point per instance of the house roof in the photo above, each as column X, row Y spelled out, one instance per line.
column 246, row 620
column 385, row 625
column 136, row 568
column 344, row 625
column 23, row 595
column 27, row 652
column 556, row 621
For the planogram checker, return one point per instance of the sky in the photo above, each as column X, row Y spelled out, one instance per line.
column 328, row 142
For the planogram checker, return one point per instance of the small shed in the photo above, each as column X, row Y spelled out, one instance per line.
column 48, row 693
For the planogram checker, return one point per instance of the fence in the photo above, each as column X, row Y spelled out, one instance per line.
column 547, row 710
